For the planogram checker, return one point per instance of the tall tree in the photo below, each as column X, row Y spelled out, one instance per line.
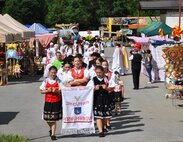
column 26, row 11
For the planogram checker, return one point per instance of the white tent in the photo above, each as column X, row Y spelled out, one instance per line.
column 26, row 32
column 5, row 37
column 15, row 34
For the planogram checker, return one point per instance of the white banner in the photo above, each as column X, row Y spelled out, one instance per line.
column 77, row 103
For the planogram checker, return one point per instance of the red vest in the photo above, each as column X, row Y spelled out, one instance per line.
column 76, row 75
column 109, row 75
column 51, row 97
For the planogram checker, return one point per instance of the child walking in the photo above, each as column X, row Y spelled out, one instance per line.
column 51, row 87
column 64, row 74
column 102, row 106
column 118, row 93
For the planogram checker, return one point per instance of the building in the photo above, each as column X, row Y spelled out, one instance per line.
column 123, row 25
column 169, row 10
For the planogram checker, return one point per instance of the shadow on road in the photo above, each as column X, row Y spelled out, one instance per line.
column 127, row 122
column 7, row 117
column 24, row 80
column 149, row 87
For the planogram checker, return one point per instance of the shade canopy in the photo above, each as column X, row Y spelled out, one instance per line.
column 154, row 27
column 26, row 32
column 39, row 29
column 5, row 37
column 6, row 30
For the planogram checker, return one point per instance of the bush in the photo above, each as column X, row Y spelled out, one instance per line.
column 12, row 138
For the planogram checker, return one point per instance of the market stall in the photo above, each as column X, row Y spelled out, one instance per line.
column 173, row 57
column 156, row 44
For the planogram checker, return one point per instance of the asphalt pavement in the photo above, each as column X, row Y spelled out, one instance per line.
column 146, row 115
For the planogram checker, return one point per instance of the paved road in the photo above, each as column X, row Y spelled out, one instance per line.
column 147, row 116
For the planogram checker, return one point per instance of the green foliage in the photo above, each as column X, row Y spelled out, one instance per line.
column 12, row 138
column 85, row 12
column 26, row 11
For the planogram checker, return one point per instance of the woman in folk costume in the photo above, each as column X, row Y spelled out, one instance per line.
column 51, row 87
column 117, row 64
column 79, row 73
column 125, row 59
column 102, row 108
column 111, row 77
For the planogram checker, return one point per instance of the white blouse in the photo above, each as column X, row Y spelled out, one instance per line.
column 50, row 81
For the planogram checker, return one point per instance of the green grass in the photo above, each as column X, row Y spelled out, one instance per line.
column 12, row 138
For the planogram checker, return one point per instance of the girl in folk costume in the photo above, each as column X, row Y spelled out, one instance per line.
column 64, row 74
column 102, row 108
column 62, row 51
column 79, row 73
column 97, row 62
column 118, row 93
column 79, row 49
column 49, row 57
column 69, row 49
column 110, row 76
column 51, row 87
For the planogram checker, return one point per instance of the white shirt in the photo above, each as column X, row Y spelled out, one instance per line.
column 65, row 77
column 112, row 84
column 46, row 71
column 50, row 81
column 131, row 57
column 92, row 72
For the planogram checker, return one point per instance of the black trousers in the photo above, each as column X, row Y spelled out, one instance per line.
column 136, row 77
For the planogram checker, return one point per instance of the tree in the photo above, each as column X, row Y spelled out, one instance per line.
column 70, row 11
column 26, row 11
column 85, row 12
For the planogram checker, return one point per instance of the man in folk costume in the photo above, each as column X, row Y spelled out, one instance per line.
column 125, row 59
column 117, row 64
column 79, row 73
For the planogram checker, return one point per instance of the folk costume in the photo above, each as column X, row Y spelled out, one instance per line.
column 80, row 73
column 102, row 107
column 53, row 103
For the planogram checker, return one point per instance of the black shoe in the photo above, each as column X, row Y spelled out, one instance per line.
column 105, row 130
column 135, row 89
column 53, row 138
column 101, row 134
column 50, row 132
column 109, row 127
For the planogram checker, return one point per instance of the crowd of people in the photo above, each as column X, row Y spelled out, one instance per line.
column 82, row 63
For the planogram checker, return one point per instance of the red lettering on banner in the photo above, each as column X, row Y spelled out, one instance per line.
column 77, row 104
column 80, row 119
